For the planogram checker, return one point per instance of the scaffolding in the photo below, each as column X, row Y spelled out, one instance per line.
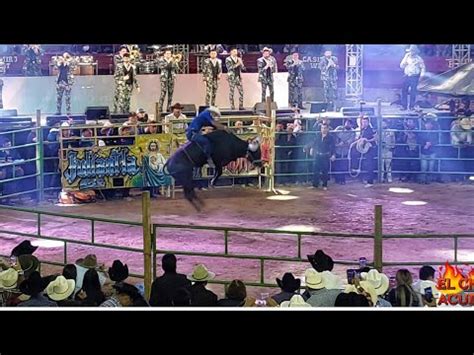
column 354, row 71
column 183, row 49
column 461, row 54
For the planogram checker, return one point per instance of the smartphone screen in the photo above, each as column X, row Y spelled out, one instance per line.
column 428, row 294
column 351, row 273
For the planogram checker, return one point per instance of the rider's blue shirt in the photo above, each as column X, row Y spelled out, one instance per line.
column 201, row 120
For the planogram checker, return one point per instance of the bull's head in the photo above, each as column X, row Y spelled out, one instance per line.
column 254, row 153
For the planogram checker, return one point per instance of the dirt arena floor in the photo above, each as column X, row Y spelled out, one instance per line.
column 449, row 208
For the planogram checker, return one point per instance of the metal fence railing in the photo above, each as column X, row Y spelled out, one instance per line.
column 152, row 233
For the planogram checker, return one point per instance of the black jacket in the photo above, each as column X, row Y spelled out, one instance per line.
column 202, row 297
column 165, row 286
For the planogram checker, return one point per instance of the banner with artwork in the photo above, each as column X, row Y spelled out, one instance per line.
column 138, row 165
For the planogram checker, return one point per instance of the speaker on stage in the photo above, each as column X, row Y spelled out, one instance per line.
column 118, row 117
column 97, row 112
column 318, row 107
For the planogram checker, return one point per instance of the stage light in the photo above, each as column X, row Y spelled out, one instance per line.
column 282, row 197
column 43, row 243
column 299, row 228
column 471, row 178
column 414, row 203
column 400, row 190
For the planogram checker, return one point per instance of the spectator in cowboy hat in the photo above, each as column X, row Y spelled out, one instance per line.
column 61, row 291
column 107, row 130
column 8, row 286
column 118, row 272
column 165, row 286
column 380, row 282
column 24, row 248
column 90, row 294
column 289, row 286
column 8, row 279
column 176, row 114
column 34, row 286
column 295, row 301
column 142, row 116
column 70, row 272
column 28, row 264
column 200, row 296
column 125, row 296
column 236, row 295
column 321, row 289
column 127, row 131
column 364, row 288
column 321, row 261
column 85, row 264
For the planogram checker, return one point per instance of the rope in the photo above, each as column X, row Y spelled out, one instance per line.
column 362, row 147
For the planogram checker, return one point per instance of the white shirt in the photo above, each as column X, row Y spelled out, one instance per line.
column 80, row 277
column 181, row 126
column 413, row 65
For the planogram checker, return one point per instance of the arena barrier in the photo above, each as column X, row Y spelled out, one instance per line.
column 151, row 233
column 21, row 163
column 116, row 160
column 454, row 154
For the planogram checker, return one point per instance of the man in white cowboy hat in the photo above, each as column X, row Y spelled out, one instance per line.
column 317, row 284
column 413, row 67
column 60, row 290
column 127, row 131
column 200, row 296
column 267, row 65
column 365, row 288
column 108, row 130
column 380, row 282
column 461, row 132
column 8, row 283
column 176, row 114
column 296, row 301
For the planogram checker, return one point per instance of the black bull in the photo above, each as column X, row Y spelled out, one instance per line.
column 227, row 147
